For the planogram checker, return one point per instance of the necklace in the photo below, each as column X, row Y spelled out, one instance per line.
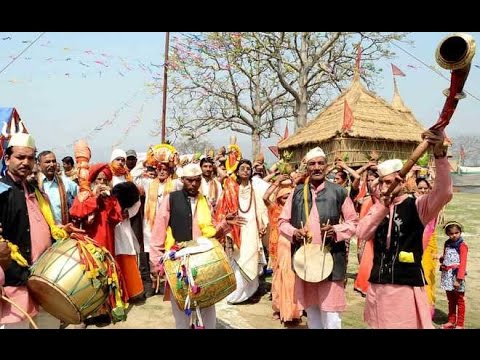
column 249, row 203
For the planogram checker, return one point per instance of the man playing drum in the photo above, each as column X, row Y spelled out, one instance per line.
column 188, row 215
column 24, row 216
column 323, row 301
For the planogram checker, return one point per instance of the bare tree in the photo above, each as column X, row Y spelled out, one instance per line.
column 471, row 149
column 220, row 82
column 192, row 146
column 312, row 66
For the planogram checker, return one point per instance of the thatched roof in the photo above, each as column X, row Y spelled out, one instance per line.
column 374, row 118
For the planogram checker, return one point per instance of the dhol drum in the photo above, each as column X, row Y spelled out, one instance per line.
column 312, row 263
column 201, row 272
column 62, row 286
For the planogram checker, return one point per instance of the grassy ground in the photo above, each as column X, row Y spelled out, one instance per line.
column 464, row 208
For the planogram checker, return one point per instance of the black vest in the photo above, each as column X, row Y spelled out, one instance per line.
column 407, row 235
column 16, row 228
column 329, row 203
column 180, row 216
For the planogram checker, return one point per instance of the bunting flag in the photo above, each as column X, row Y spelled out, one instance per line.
column 347, row 117
column 396, row 71
column 274, row 150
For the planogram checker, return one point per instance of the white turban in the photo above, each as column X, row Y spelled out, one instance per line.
column 118, row 153
column 191, row 170
column 389, row 167
column 316, row 152
column 22, row 139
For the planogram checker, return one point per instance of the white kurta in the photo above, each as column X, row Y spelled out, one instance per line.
column 248, row 261
column 126, row 242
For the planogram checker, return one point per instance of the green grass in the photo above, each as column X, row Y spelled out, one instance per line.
column 464, row 208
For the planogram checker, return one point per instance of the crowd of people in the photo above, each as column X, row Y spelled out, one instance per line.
column 145, row 210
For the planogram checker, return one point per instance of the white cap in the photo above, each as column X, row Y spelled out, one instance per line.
column 191, row 170
column 316, row 152
column 22, row 139
column 389, row 167
column 118, row 153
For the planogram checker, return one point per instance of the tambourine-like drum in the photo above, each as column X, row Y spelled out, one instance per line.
column 312, row 264
column 205, row 277
column 59, row 283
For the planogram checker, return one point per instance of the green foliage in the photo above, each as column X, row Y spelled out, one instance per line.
column 424, row 159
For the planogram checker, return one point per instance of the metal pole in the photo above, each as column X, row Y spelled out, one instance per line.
column 165, row 68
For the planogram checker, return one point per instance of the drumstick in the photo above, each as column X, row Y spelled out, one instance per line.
column 323, row 248
column 304, row 254
column 11, row 302
column 157, row 286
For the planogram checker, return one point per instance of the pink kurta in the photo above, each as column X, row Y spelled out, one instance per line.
column 385, row 300
column 328, row 295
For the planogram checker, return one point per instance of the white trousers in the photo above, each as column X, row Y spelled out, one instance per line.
column 182, row 321
column 43, row 320
column 318, row 319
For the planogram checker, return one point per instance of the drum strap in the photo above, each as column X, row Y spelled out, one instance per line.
column 57, row 232
column 15, row 253
column 306, row 189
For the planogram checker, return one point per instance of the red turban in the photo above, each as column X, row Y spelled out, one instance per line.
column 97, row 169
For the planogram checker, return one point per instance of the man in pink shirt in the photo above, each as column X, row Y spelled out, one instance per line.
column 24, row 225
column 179, row 211
column 334, row 216
column 396, row 297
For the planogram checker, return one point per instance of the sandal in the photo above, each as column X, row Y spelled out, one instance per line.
column 447, row 325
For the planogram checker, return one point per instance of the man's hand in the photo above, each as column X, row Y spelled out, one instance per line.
column 156, row 273
column 340, row 164
column 436, row 139
column 70, row 228
column 327, row 230
column 101, row 190
column 281, row 178
column 234, row 219
column 5, row 258
column 299, row 234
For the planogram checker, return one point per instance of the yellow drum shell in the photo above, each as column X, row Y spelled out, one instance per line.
column 215, row 277
column 60, row 285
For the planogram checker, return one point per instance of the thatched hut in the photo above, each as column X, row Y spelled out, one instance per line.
column 389, row 129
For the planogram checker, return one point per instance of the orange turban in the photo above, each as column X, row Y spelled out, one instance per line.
column 97, row 169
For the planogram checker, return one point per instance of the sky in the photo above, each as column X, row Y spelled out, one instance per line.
column 68, row 86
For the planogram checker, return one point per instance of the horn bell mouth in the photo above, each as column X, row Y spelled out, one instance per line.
column 455, row 51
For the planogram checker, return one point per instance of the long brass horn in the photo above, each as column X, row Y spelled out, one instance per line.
column 455, row 52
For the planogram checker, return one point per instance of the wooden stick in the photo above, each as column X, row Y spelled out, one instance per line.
column 157, row 286
column 323, row 247
column 304, row 254
column 21, row 310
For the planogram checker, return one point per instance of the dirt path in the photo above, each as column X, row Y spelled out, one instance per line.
column 156, row 314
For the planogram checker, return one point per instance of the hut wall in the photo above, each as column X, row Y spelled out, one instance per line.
column 357, row 150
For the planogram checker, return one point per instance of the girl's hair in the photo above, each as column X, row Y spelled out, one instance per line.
column 419, row 180
column 451, row 225
column 342, row 174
